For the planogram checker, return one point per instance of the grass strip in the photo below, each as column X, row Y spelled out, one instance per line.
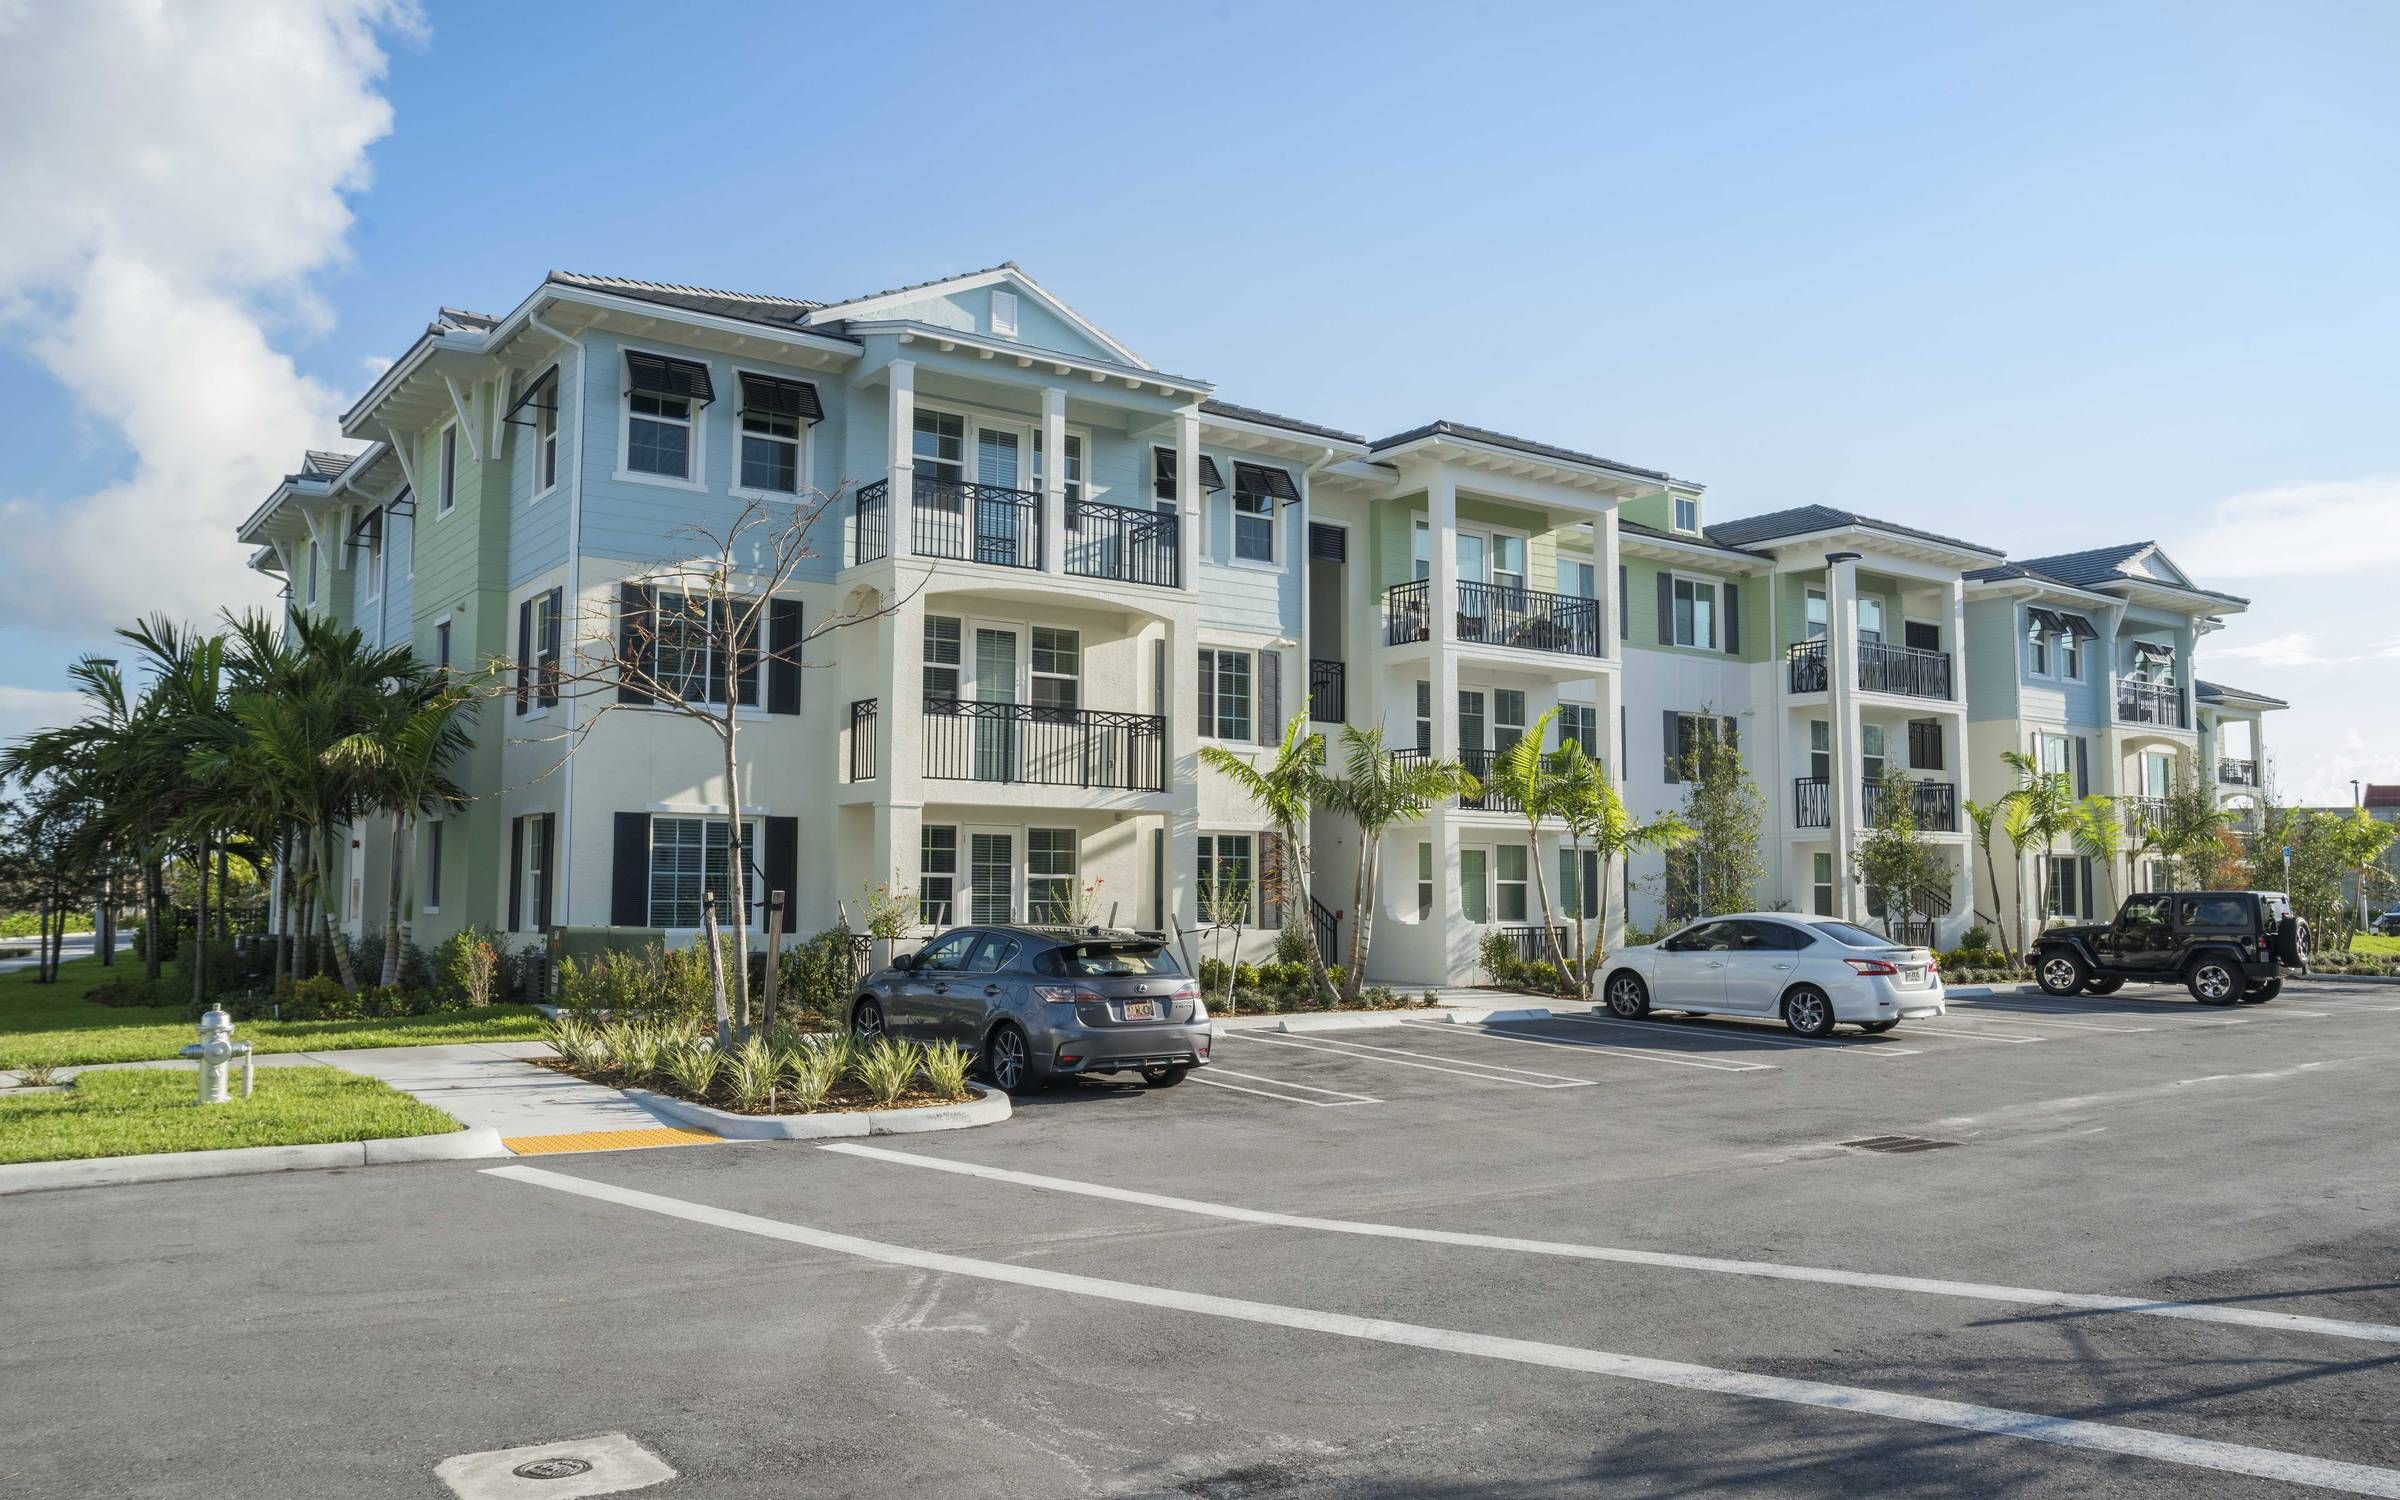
column 136, row 1111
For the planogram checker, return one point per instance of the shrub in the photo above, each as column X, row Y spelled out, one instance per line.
column 471, row 968
column 1291, row 944
column 808, row 1074
column 816, row 974
column 693, row 1064
column 946, row 1070
column 887, row 1067
column 1498, row 955
column 1429, row 999
column 1542, row 977
column 1977, row 936
column 751, row 1072
column 1245, row 976
column 1213, row 975
column 1380, row 996
column 319, row 997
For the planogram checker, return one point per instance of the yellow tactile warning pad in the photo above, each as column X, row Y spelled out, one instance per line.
column 607, row 1140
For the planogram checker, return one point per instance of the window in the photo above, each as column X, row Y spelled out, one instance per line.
column 1110, row 960
column 433, row 864
column 1820, row 750
column 1057, row 668
column 1226, row 713
column 948, row 953
column 1424, row 881
column 1687, row 513
column 991, row 876
column 1050, row 875
column 1253, row 518
column 1509, row 877
column 372, row 534
column 312, row 572
column 2061, row 872
column 1508, row 718
column 1579, row 724
column 2158, row 775
column 1227, row 881
column 659, row 435
column 1696, row 613
column 1473, row 892
column 1691, row 732
column 1870, row 620
column 1421, row 550
column 1470, row 722
column 1683, row 884
column 1816, row 615
column 537, row 650
column 1870, row 751
column 1821, row 883
column 449, row 485
column 937, row 874
column 691, row 642
column 441, row 644
column 2056, row 754
column 1004, row 313
column 775, row 418
column 1579, row 882
column 939, row 446
column 1508, row 561
column 2070, row 657
column 942, row 657
column 993, row 955
column 1576, row 580
column 2037, row 646
column 1424, row 718
column 687, row 860
column 545, row 435
column 1074, row 479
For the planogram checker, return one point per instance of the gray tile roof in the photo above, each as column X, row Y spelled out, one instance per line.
column 752, row 307
column 1227, row 409
column 1504, row 440
column 452, row 319
column 1800, row 520
column 2217, row 692
column 918, row 286
column 317, row 463
column 1636, row 528
column 2091, row 568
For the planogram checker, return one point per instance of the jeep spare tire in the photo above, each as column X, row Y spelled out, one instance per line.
column 2287, row 941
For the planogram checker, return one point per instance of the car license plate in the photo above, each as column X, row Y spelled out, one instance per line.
column 1141, row 1010
column 1909, row 974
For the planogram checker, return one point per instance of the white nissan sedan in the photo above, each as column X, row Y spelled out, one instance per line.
column 1813, row 972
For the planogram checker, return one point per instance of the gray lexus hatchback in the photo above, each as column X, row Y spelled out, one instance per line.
column 1037, row 1003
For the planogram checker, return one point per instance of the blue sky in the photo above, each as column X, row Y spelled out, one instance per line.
column 2041, row 276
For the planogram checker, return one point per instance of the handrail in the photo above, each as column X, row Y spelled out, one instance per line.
column 1028, row 744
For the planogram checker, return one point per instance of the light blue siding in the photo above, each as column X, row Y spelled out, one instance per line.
column 537, row 528
column 971, row 312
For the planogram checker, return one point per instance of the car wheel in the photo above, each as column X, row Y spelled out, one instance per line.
column 1008, row 1059
column 1808, row 1012
column 2213, row 982
column 2260, row 994
column 1877, row 1028
column 2103, row 986
column 1628, row 997
column 866, row 1020
column 2060, row 972
column 1163, row 1078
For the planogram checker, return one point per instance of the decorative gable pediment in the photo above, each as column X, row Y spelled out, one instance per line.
column 1001, row 303
column 2155, row 565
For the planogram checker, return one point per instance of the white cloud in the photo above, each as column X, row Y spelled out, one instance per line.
column 174, row 175
column 2319, row 775
column 2294, row 530
column 25, row 710
column 2297, row 649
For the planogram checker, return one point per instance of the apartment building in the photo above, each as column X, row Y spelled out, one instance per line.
column 1048, row 573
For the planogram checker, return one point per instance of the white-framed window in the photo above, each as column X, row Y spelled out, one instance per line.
column 1510, row 881
column 1820, row 750
column 1508, row 718
column 1057, row 668
column 1508, row 561
column 1474, row 883
column 2070, row 656
column 537, row 873
column 1254, row 525
column 938, row 445
column 372, row 535
column 1577, row 580
column 1004, row 314
column 2158, row 774
column 1228, row 878
column 1870, row 751
column 692, row 637
column 539, row 650
column 2055, row 754
column 1050, row 855
column 448, row 489
column 1695, row 612
column 1074, row 481
column 433, row 865
column 1424, row 881
column 2037, row 647
column 774, row 428
column 1420, row 549
column 1579, row 723
column 1424, row 718
column 1687, row 513
column 944, row 658
column 1870, row 620
column 1226, row 716
column 688, row 859
column 2059, row 873
column 659, row 435
column 545, row 434
column 660, row 427
column 1815, row 615
column 937, row 874
column 313, row 553
column 1820, row 874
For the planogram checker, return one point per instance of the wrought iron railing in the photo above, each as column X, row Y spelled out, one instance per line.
column 1913, row 934
column 2237, row 772
column 1327, row 926
column 2159, row 703
column 966, row 522
column 871, row 533
column 1881, row 669
column 1806, row 662
column 2143, row 812
column 864, row 714
column 1029, row 745
column 1328, row 700
column 1533, row 943
column 1404, row 613
column 1934, row 804
column 1498, row 615
column 1124, row 544
column 1479, row 765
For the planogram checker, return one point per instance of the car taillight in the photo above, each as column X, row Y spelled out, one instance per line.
column 1933, row 963
column 1066, row 994
column 1189, row 991
column 1871, row 966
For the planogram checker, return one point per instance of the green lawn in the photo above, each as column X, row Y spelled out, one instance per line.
column 54, row 1024
column 133, row 1111
column 2382, row 947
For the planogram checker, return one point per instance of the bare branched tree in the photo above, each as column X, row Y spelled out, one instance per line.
column 701, row 636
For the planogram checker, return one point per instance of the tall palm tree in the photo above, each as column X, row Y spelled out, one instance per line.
column 1523, row 774
column 1597, row 820
column 1284, row 788
column 2043, row 809
column 2098, row 832
column 1376, row 792
column 1982, row 814
column 401, row 762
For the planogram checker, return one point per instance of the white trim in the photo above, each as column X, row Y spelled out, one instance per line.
column 696, row 479
column 1716, row 611
column 804, row 461
column 445, row 478
column 857, row 310
column 557, row 377
column 466, row 420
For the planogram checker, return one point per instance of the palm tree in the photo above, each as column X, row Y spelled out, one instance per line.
column 2098, row 832
column 401, row 762
column 1377, row 792
column 1284, row 789
column 1523, row 774
column 1597, row 820
column 2042, row 809
column 1982, row 814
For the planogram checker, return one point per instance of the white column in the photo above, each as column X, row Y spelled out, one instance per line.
column 1441, row 610
column 1846, row 767
column 1956, row 644
column 1183, row 764
column 1191, row 500
column 1054, row 479
column 2112, row 774
column 900, row 496
column 1610, row 558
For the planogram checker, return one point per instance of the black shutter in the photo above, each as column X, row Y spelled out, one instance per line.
column 637, row 644
column 516, row 872
column 1158, row 880
column 1327, row 543
column 780, row 862
column 1666, row 610
column 1158, row 677
column 783, row 667
column 1208, row 693
column 1733, row 619
column 1673, row 726
column 1270, row 698
column 2085, row 881
column 2083, row 768
column 551, row 628
column 524, row 653
column 739, row 620
column 541, row 892
column 629, row 878
column 1624, row 607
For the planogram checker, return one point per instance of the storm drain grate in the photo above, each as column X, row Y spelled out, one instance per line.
column 552, row 1468
column 1894, row 1145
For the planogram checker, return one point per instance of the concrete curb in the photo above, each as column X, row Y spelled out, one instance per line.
column 243, row 1161
column 2327, row 976
column 988, row 1107
column 1356, row 1020
column 1985, row 991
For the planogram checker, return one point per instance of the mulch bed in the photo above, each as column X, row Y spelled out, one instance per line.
column 847, row 1098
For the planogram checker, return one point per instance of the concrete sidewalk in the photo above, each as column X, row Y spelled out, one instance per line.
column 537, row 1111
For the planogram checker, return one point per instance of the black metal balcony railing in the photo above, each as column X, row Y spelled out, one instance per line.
column 1881, row 669
column 1328, row 699
column 2159, row 703
column 864, row 716
column 2237, row 773
column 1934, row 804
column 1123, row 543
column 1326, row 926
column 1478, row 762
column 1033, row 746
column 1533, row 943
column 2143, row 812
column 1913, row 934
column 871, row 536
column 985, row 523
column 1498, row 615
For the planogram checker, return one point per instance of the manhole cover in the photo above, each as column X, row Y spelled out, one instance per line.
column 552, row 1468
column 1895, row 1144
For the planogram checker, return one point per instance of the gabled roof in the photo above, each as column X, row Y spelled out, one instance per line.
column 2096, row 566
column 1801, row 520
column 753, row 307
column 317, row 463
column 2217, row 692
column 862, row 309
column 919, row 286
column 1467, row 433
column 461, row 320
column 1686, row 539
column 1231, row 412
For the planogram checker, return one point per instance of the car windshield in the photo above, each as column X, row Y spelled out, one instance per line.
column 1111, row 960
column 1853, row 937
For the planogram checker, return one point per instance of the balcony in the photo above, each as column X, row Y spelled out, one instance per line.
column 864, row 716
column 1479, row 765
column 951, row 518
column 1881, row 669
column 1024, row 745
column 2143, row 813
column 2237, row 773
column 1533, row 944
column 1124, row 544
column 1328, row 692
column 1934, row 804
column 2157, row 703
column 1496, row 615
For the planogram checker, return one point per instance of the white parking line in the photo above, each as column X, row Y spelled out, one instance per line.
column 2203, row 1312
column 1887, row 1050
column 1490, row 1032
column 1931, row 1027
column 2204, row 1453
column 2035, row 1019
column 1335, row 1100
column 1398, row 1058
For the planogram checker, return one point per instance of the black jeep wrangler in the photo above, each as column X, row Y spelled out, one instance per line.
column 2223, row 945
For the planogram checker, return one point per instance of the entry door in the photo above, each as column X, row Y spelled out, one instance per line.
column 995, row 677
column 991, row 875
column 1002, row 534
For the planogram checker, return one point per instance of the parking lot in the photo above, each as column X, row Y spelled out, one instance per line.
column 2123, row 1246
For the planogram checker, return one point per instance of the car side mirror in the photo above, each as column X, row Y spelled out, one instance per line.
column 1672, row 945
column 906, row 963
